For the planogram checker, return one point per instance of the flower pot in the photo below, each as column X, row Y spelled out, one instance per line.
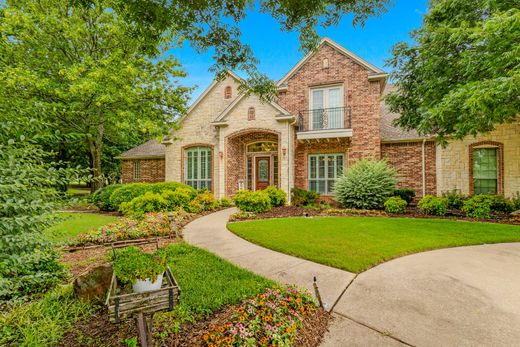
column 147, row 285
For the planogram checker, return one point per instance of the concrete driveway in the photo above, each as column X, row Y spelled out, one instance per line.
column 467, row 296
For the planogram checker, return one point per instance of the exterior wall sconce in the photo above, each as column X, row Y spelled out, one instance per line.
column 221, row 154
column 284, row 151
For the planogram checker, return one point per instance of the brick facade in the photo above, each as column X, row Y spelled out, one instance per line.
column 360, row 94
column 151, row 170
column 406, row 158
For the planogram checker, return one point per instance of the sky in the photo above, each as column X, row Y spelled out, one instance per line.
column 279, row 51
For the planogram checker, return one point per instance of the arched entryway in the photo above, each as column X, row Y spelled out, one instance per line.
column 252, row 160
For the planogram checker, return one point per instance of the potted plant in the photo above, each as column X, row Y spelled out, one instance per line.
column 143, row 271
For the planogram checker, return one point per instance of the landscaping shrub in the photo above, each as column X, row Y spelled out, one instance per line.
column 153, row 224
column 516, row 201
column 127, row 192
column 302, row 197
column 224, row 202
column 178, row 198
column 478, row 206
column 366, row 185
column 406, row 194
column 277, row 196
column 455, row 199
column 101, row 197
column 149, row 202
column 433, row 205
column 271, row 318
column 173, row 186
column 395, row 204
column 249, row 201
column 204, row 201
column 502, row 204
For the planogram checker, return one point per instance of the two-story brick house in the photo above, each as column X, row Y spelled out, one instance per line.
column 328, row 115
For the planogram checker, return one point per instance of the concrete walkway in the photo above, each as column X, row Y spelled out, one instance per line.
column 464, row 296
column 210, row 232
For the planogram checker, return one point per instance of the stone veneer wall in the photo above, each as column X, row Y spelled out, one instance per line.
column 406, row 158
column 362, row 95
column 453, row 162
column 152, row 170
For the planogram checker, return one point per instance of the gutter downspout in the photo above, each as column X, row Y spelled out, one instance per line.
column 423, row 168
column 289, row 134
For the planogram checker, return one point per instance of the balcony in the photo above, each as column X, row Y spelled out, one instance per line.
column 324, row 123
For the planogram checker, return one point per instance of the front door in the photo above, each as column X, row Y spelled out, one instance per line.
column 262, row 172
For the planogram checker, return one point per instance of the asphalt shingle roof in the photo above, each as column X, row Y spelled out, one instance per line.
column 390, row 132
column 148, row 149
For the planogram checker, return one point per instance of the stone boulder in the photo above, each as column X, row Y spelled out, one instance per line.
column 94, row 284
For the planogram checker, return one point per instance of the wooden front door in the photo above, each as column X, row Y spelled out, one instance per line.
column 262, row 172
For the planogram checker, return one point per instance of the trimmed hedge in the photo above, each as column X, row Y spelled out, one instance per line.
column 101, row 197
column 433, row 205
column 277, row 196
column 478, row 206
column 395, row 204
column 302, row 197
column 248, row 201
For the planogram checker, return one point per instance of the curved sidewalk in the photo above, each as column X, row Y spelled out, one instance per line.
column 210, row 232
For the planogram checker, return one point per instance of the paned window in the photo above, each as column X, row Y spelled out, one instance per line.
column 324, row 169
column 485, row 170
column 198, row 167
column 137, row 170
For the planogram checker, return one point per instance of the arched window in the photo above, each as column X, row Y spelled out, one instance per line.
column 198, row 167
column 265, row 146
column 227, row 92
column 251, row 113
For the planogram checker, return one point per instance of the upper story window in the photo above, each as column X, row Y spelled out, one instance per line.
column 326, row 105
column 251, row 113
column 137, row 170
column 485, row 170
column 198, row 167
column 227, row 92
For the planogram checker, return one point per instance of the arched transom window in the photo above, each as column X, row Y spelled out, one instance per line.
column 198, row 167
column 266, row 146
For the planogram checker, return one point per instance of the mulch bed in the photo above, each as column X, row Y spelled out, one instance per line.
column 97, row 330
column 293, row 211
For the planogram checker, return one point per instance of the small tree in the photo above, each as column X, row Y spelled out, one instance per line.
column 366, row 185
column 28, row 196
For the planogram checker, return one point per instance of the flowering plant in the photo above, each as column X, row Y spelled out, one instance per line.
column 271, row 318
column 153, row 224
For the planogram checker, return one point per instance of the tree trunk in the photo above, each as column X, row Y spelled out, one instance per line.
column 95, row 147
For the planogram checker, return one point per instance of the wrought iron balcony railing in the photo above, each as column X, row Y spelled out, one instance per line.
column 324, row 119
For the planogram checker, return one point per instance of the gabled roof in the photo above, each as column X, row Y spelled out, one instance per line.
column 225, row 112
column 206, row 92
column 375, row 72
column 149, row 149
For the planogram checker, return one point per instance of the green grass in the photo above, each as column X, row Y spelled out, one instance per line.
column 76, row 223
column 208, row 283
column 358, row 243
column 42, row 322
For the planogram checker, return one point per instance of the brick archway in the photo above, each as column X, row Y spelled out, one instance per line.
column 235, row 155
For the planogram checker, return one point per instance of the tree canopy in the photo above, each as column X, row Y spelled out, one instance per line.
column 78, row 66
column 461, row 74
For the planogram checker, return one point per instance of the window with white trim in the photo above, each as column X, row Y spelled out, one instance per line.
column 326, row 104
column 137, row 170
column 198, row 167
column 324, row 169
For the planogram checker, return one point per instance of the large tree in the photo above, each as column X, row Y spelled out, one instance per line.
column 461, row 74
column 81, row 67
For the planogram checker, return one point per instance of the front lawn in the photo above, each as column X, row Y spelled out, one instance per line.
column 208, row 284
column 73, row 224
column 358, row 243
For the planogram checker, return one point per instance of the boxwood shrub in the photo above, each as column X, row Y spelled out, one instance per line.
column 248, row 201
column 148, row 202
column 406, row 194
column 455, row 199
column 366, row 185
column 502, row 204
column 277, row 196
column 433, row 205
column 395, row 204
column 478, row 206
column 302, row 197
column 101, row 197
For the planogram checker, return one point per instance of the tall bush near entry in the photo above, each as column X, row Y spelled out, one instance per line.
column 366, row 185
